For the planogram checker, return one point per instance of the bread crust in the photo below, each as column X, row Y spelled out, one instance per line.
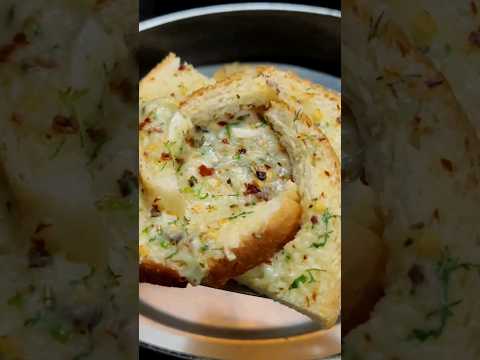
column 258, row 248
column 158, row 274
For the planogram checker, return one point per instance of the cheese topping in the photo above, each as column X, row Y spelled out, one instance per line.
column 202, row 186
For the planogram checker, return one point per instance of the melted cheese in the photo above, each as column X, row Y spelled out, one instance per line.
column 202, row 186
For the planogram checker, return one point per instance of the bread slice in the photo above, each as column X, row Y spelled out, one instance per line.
column 171, row 79
column 306, row 273
column 197, row 231
column 321, row 105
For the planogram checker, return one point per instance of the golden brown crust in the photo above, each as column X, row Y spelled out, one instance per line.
column 258, row 249
column 154, row 273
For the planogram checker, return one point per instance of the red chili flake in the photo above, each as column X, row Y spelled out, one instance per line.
column 15, row 118
column 433, row 83
column 64, row 125
column 182, row 67
column 166, row 157
column 222, row 123
column 38, row 255
column 408, row 242
column 314, row 296
column 473, row 7
column 40, row 227
column 189, row 140
column 145, row 122
column 447, row 165
column 474, row 38
column 251, row 189
column 225, row 141
column 205, row 171
column 155, row 211
column 416, row 275
column 18, row 41
column 314, row 220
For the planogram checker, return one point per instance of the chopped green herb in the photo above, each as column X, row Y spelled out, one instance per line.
column 305, row 278
column 113, row 203
column 374, row 26
column 263, row 121
column 325, row 235
column 58, row 148
column 299, row 280
column 16, row 300
column 297, row 115
column 113, row 278
column 10, row 15
column 84, row 279
column 204, row 248
column 243, row 214
column 33, row 320
column 445, row 267
column 99, row 138
column 60, row 333
column 172, row 254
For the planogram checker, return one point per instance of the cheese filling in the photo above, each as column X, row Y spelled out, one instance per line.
column 202, row 186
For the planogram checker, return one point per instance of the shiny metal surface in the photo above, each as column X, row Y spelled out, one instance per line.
column 205, row 323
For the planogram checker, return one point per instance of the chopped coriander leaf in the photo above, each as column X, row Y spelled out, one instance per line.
column 299, row 280
column 85, row 278
column 33, row 320
column 325, row 235
column 297, row 115
column 113, row 278
column 172, row 254
column 305, row 278
column 99, row 138
column 263, row 121
column 60, row 333
column 204, row 248
column 243, row 214
column 16, row 300
column 374, row 26
column 58, row 148
column 112, row 203
column 445, row 267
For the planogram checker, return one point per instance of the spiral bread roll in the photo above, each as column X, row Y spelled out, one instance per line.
column 239, row 181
